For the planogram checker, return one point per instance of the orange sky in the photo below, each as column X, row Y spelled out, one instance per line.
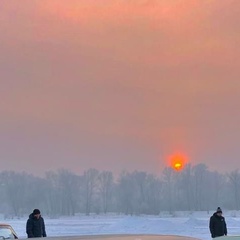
column 118, row 84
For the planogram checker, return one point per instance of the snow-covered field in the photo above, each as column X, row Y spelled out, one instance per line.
column 184, row 224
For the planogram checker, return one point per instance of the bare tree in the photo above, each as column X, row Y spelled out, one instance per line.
column 90, row 179
column 140, row 192
column 199, row 174
column 168, row 187
column 216, row 183
column 187, row 186
column 125, row 193
column 69, row 186
column 105, row 188
column 54, row 194
column 154, row 194
column 17, row 187
column 234, row 177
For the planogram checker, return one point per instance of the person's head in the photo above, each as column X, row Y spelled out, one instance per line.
column 219, row 211
column 36, row 213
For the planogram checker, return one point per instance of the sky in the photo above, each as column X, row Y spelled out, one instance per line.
column 119, row 84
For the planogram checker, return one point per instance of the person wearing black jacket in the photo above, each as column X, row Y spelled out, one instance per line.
column 217, row 224
column 35, row 225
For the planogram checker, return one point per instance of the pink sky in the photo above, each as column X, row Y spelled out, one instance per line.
column 119, row 84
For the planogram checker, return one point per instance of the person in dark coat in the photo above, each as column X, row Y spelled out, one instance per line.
column 217, row 224
column 35, row 225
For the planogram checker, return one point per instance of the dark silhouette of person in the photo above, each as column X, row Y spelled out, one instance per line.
column 217, row 224
column 35, row 226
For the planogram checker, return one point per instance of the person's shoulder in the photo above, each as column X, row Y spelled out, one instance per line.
column 30, row 216
column 213, row 217
column 29, row 220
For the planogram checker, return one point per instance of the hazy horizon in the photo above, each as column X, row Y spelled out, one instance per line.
column 118, row 85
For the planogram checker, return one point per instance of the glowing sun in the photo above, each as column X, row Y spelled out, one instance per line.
column 177, row 161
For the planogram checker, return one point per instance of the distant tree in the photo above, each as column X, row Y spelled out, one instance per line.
column 106, row 189
column 140, row 192
column 125, row 193
column 16, row 188
column 186, row 186
column 214, row 191
column 168, row 174
column 69, row 187
column 154, row 194
column 234, row 177
column 89, row 186
column 54, row 201
column 199, row 173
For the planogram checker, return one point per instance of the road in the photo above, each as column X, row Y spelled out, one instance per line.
column 123, row 237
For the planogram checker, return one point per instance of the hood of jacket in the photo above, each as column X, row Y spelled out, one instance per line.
column 219, row 217
column 31, row 216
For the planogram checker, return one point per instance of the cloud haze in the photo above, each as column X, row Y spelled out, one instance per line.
column 118, row 84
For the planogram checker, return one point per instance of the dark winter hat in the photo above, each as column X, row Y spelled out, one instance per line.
column 219, row 210
column 36, row 211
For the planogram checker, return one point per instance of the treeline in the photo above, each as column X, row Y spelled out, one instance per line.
column 195, row 188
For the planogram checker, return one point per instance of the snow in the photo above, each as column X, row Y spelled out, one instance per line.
column 183, row 224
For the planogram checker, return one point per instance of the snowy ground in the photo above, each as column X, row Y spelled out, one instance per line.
column 193, row 225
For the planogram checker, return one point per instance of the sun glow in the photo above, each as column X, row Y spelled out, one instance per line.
column 178, row 166
column 177, row 161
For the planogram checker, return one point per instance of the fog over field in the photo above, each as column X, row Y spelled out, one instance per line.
column 64, row 193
